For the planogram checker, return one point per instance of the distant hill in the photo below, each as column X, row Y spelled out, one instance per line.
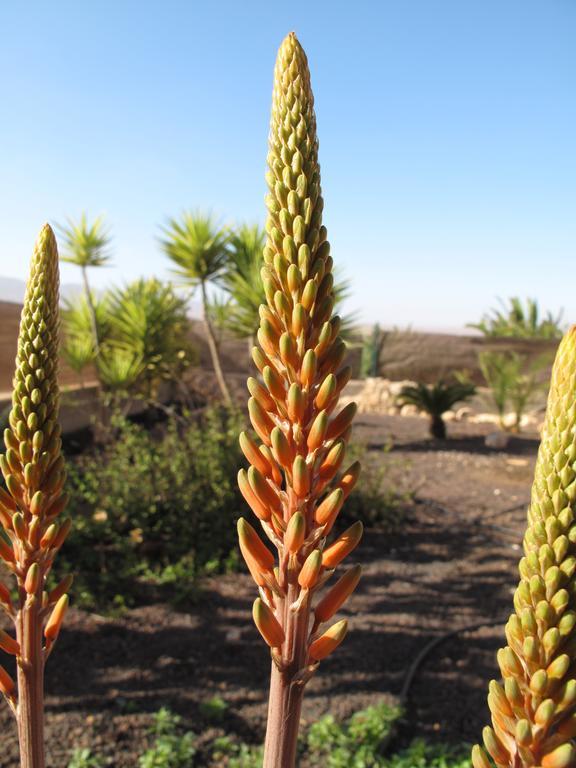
column 12, row 290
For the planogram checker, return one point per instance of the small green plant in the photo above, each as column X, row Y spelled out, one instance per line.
column 82, row 757
column 214, row 709
column 356, row 744
column 154, row 508
column 435, row 400
column 226, row 752
column 172, row 748
column 371, row 346
column 513, row 380
column 520, row 321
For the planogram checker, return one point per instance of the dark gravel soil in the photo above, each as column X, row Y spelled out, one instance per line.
column 452, row 566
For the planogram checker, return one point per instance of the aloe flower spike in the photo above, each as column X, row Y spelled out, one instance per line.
column 34, row 473
column 293, row 410
column 534, row 709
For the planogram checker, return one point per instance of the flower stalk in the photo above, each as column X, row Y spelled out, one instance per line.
column 31, row 530
column 534, row 709
column 291, row 484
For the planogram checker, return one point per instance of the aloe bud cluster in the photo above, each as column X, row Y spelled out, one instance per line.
column 534, row 709
column 291, row 483
column 30, row 508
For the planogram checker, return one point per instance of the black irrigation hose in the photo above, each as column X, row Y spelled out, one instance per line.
column 417, row 663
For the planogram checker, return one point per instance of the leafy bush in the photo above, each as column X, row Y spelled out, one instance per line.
column 371, row 346
column 513, row 380
column 83, row 758
column 435, row 400
column 519, row 321
column 149, row 507
column 171, row 748
column 356, row 744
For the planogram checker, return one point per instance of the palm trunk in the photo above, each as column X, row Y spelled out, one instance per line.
column 437, row 427
column 213, row 347
column 91, row 310
column 30, row 713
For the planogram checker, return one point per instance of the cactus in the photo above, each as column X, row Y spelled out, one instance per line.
column 534, row 711
column 34, row 474
column 289, row 482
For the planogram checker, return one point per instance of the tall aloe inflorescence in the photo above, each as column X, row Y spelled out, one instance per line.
column 34, row 474
column 534, row 711
column 289, row 484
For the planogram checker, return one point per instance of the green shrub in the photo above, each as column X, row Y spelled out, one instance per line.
column 83, row 758
column 149, row 508
column 356, row 744
column 171, row 748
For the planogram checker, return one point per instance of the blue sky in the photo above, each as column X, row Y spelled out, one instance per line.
column 447, row 137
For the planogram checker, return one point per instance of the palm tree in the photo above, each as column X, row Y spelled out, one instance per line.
column 199, row 248
column 86, row 245
column 243, row 282
column 148, row 333
column 435, row 400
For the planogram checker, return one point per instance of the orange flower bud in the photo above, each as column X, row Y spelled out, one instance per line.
column 54, row 623
column 563, row 756
column 343, row 377
column 9, row 644
column 19, row 525
column 273, row 468
column 260, row 510
column 60, row 589
column 6, row 551
column 300, row 477
column 330, row 507
column 295, row 533
column 299, row 320
column 288, row 351
column 7, row 501
column 283, row 450
column 48, row 539
column 293, row 278
column 5, row 518
column 5, row 595
column 267, row 624
column 34, row 531
column 349, row 479
column 260, row 359
column 254, row 546
column 308, row 371
column 274, row 383
column 295, row 403
column 37, row 503
column 268, row 338
column 57, row 506
column 317, row 431
column 32, row 581
column 341, row 422
column 250, row 450
column 264, row 491
column 309, row 295
column 334, row 357
column 332, row 462
column 329, row 641
column 479, row 758
column 337, row 596
column 7, row 685
column 260, row 394
column 310, row 571
column 326, row 391
column 61, row 534
column 344, row 544
column 261, row 422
